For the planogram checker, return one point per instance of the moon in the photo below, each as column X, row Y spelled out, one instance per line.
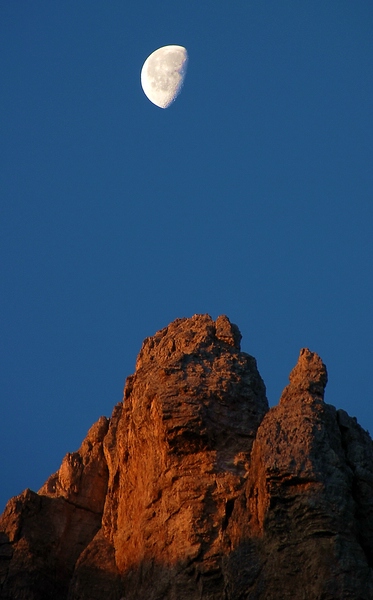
column 163, row 74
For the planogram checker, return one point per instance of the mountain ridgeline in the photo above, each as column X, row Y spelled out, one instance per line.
column 195, row 489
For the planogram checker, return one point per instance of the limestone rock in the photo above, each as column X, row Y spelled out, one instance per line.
column 195, row 489
column 301, row 496
column 42, row 538
column 83, row 476
column 184, row 434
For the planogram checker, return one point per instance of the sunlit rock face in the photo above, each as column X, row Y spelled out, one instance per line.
column 185, row 432
column 306, row 499
column 195, row 489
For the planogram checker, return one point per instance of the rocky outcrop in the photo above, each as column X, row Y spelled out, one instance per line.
column 195, row 489
column 83, row 476
column 302, row 497
column 44, row 534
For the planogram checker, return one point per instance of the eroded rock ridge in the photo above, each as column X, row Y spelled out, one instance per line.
column 195, row 489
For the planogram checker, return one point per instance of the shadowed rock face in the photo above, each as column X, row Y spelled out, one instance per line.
column 195, row 489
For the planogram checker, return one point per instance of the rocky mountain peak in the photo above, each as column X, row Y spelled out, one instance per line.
column 196, row 489
column 308, row 378
column 188, row 337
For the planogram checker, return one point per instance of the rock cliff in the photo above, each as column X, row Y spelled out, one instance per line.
column 195, row 489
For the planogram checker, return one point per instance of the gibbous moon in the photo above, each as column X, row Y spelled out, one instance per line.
column 163, row 74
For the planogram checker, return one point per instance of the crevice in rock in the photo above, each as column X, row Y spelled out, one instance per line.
column 361, row 533
column 229, row 506
column 68, row 501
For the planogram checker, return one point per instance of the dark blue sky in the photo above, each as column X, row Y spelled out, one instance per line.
column 250, row 196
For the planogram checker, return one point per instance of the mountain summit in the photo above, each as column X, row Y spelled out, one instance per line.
column 195, row 490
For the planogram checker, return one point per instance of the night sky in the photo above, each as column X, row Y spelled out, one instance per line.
column 250, row 196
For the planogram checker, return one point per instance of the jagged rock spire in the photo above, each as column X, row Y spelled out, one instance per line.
column 308, row 378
